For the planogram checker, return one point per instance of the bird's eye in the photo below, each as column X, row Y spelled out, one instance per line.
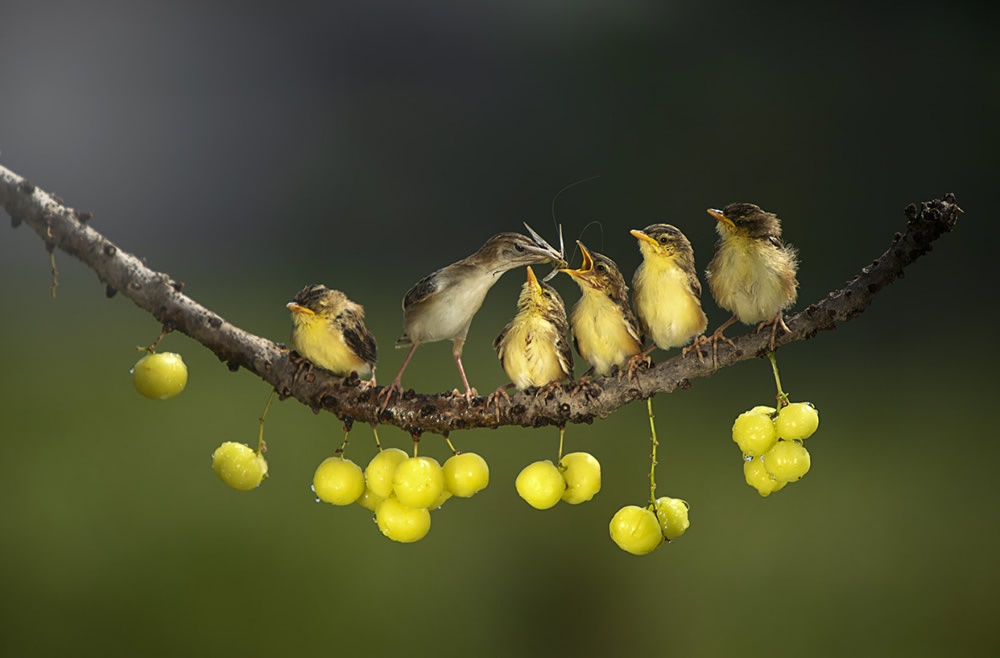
column 601, row 268
column 518, row 248
column 740, row 222
column 663, row 239
column 547, row 293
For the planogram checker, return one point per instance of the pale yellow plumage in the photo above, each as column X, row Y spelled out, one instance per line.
column 665, row 287
column 328, row 329
column 533, row 348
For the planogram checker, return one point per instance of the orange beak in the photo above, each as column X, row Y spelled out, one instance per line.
column 298, row 308
column 642, row 235
column 720, row 217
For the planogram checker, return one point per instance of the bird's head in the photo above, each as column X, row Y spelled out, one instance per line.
column 316, row 300
column 597, row 272
column 539, row 297
column 506, row 251
column 747, row 220
column 663, row 241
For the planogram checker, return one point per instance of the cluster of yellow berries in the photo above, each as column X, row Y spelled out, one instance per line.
column 771, row 442
column 576, row 480
column 640, row 530
column 400, row 490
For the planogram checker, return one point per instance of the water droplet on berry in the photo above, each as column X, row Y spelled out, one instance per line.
column 318, row 500
column 747, row 458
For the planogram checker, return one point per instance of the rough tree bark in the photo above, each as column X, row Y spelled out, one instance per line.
column 65, row 228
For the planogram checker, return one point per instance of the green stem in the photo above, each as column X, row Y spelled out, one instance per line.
column 378, row 444
column 343, row 446
column 652, row 464
column 562, row 432
column 453, row 450
column 782, row 396
column 261, row 446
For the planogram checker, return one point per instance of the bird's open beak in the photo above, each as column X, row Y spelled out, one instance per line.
column 587, row 266
column 720, row 217
column 298, row 308
column 642, row 235
column 533, row 280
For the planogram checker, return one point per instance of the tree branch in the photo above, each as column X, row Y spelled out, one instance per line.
column 65, row 228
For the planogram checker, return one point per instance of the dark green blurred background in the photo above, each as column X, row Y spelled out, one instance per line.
column 251, row 150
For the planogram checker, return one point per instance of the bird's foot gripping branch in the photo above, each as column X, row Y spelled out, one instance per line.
column 757, row 433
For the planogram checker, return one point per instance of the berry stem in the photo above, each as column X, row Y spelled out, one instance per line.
column 652, row 465
column 453, row 450
column 416, row 444
column 378, row 444
column 261, row 446
column 782, row 396
column 343, row 446
column 562, row 433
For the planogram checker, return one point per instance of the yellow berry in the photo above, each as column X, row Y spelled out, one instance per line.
column 758, row 478
column 418, row 481
column 672, row 513
column 582, row 473
column 636, row 530
column 797, row 421
column 160, row 376
column 761, row 409
column 378, row 474
column 754, row 433
column 370, row 500
column 441, row 500
column 540, row 484
column 466, row 474
column 787, row 461
column 338, row 481
column 401, row 523
column 239, row 466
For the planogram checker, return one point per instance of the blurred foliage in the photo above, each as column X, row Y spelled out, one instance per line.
column 248, row 151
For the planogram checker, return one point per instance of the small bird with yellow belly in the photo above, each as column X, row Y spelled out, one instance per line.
column 533, row 348
column 328, row 329
column 752, row 274
column 666, row 290
column 605, row 331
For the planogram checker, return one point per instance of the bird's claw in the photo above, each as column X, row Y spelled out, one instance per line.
column 590, row 388
column 633, row 365
column 494, row 400
column 386, row 395
column 696, row 346
column 778, row 320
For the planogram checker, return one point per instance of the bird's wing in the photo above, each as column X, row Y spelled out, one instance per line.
column 422, row 289
column 694, row 284
column 563, row 351
column 565, row 355
column 498, row 343
column 631, row 323
column 357, row 336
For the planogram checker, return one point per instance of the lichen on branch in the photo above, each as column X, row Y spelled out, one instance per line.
column 66, row 229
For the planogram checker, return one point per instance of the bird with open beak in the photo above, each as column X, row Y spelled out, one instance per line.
column 533, row 348
column 752, row 274
column 605, row 331
column 441, row 305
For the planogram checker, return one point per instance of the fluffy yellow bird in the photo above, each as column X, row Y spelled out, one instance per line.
column 329, row 330
column 752, row 274
column 605, row 331
column 442, row 304
column 533, row 348
column 666, row 290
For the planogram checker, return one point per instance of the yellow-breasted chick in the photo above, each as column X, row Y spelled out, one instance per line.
column 533, row 348
column 442, row 304
column 329, row 330
column 752, row 274
column 605, row 331
column 665, row 289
